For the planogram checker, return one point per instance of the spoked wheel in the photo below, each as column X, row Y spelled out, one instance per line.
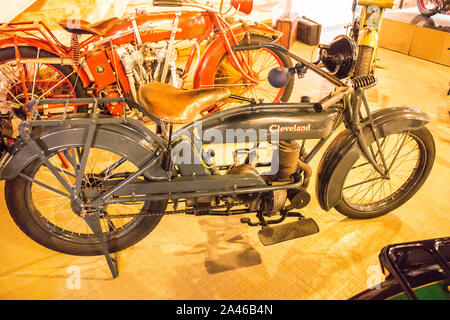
column 261, row 62
column 427, row 7
column 44, row 212
column 409, row 156
column 36, row 81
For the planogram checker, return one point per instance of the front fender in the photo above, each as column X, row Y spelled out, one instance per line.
column 368, row 37
column 344, row 150
column 207, row 67
column 118, row 138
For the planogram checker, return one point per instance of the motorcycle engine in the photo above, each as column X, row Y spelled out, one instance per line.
column 285, row 166
column 147, row 62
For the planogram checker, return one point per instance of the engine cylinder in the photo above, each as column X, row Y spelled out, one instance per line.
column 286, row 160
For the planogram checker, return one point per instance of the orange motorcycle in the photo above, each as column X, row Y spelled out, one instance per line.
column 114, row 57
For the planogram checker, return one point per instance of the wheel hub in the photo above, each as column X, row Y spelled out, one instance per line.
column 79, row 203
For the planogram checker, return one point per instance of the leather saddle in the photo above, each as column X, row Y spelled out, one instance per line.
column 79, row 26
column 174, row 105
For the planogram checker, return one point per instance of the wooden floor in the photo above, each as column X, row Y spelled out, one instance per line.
column 190, row 257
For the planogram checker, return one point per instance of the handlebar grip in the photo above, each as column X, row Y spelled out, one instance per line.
column 246, row 47
column 256, row 46
column 167, row 3
column 329, row 101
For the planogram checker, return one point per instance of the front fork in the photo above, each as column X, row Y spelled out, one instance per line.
column 356, row 101
column 369, row 31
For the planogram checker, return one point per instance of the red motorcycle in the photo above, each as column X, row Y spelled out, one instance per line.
column 431, row 7
column 115, row 57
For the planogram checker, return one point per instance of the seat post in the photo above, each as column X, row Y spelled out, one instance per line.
column 167, row 158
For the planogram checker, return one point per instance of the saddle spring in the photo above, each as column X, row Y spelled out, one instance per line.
column 75, row 44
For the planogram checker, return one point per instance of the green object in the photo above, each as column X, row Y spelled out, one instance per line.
column 432, row 291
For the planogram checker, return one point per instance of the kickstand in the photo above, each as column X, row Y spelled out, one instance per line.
column 93, row 221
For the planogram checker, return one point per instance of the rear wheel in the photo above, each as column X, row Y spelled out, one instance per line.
column 409, row 156
column 42, row 81
column 51, row 219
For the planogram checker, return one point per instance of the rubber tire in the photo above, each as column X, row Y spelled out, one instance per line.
column 430, row 149
column 31, row 52
column 287, row 62
column 20, row 211
column 425, row 12
column 363, row 62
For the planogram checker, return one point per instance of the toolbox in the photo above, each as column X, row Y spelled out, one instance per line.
column 308, row 31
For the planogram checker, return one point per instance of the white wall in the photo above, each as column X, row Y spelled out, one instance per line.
column 8, row 9
column 262, row 9
column 326, row 12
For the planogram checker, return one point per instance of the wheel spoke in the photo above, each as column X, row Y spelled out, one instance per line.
column 100, row 165
column 261, row 62
column 364, row 187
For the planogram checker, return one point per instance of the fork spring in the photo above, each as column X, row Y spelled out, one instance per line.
column 364, row 82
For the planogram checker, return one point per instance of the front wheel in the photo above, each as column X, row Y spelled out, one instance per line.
column 363, row 66
column 409, row 156
column 261, row 61
column 427, row 8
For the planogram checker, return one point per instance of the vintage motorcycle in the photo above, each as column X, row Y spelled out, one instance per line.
column 114, row 57
column 429, row 8
column 124, row 176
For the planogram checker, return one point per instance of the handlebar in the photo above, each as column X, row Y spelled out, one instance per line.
column 330, row 100
column 342, row 87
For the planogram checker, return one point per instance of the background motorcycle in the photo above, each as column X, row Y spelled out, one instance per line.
column 114, row 57
column 431, row 7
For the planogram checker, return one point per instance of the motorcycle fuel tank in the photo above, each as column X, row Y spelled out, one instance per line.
column 158, row 26
column 264, row 122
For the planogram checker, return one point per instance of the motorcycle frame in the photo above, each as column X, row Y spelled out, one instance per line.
column 220, row 39
column 165, row 188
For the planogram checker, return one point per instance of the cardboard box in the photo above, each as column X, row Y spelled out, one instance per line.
column 398, row 34
column 432, row 45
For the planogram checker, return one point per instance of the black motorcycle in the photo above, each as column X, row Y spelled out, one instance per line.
column 94, row 184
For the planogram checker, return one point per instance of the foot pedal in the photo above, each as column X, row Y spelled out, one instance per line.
column 287, row 231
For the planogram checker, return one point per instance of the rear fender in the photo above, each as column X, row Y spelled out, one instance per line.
column 344, row 150
column 119, row 138
column 50, row 53
column 32, row 42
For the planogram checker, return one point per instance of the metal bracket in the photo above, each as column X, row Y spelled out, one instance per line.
column 93, row 221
